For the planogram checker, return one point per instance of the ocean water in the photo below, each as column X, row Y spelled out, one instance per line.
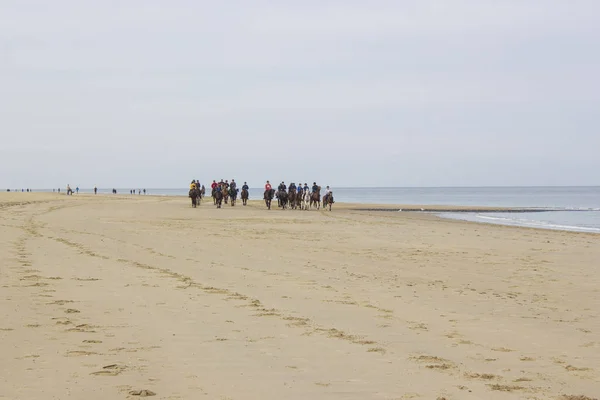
column 575, row 208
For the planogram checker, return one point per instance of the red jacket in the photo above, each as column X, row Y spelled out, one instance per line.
column 214, row 185
column 268, row 186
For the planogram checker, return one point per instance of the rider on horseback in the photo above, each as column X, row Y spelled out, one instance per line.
column 245, row 187
column 315, row 188
column 268, row 186
column 299, row 190
column 292, row 187
column 233, row 185
column 214, row 185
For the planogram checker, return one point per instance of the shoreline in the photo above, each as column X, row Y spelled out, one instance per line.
column 433, row 210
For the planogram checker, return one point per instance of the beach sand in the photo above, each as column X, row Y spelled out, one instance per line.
column 102, row 297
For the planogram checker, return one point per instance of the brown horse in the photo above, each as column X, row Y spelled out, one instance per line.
column 225, row 191
column 244, row 196
column 328, row 201
column 194, row 194
column 233, row 196
column 213, row 194
column 292, row 198
column 283, row 197
column 268, row 196
column 218, row 198
column 315, row 199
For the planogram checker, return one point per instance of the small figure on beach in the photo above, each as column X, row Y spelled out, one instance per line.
column 268, row 195
column 218, row 197
column 144, row 191
column 77, row 189
column 194, row 194
column 95, row 190
column 328, row 198
column 245, row 193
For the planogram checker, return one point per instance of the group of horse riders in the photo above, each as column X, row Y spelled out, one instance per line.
column 293, row 196
column 302, row 197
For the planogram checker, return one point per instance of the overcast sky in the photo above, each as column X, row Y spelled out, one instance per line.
column 151, row 93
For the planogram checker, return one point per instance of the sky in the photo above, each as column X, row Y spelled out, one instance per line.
column 149, row 93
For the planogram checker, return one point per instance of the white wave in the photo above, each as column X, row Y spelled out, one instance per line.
column 539, row 224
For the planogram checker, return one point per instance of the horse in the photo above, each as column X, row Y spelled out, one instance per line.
column 213, row 194
column 202, row 192
column 283, row 198
column 268, row 196
column 292, row 198
column 194, row 194
column 233, row 196
column 315, row 199
column 305, row 199
column 225, row 191
column 328, row 201
column 299, row 200
column 218, row 198
column 244, row 196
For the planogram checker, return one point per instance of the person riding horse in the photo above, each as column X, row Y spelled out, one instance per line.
column 315, row 197
column 233, row 192
column 218, row 196
column 268, row 195
column 245, row 193
column 194, row 194
column 292, row 195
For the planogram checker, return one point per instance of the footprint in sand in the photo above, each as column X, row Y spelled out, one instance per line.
column 110, row 370
column 79, row 353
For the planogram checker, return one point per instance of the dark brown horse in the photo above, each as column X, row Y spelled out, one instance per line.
column 218, row 198
column 268, row 196
column 328, row 201
column 292, row 198
column 283, row 197
column 315, row 199
column 194, row 194
column 233, row 196
column 213, row 194
column 244, row 196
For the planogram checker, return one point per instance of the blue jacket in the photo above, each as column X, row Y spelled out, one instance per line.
column 245, row 187
column 299, row 189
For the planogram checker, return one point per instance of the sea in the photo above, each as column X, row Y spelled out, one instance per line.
column 565, row 208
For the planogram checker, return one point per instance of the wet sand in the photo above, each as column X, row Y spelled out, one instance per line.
column 103, row 297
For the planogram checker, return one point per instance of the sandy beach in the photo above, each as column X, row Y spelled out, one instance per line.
column 106, row 297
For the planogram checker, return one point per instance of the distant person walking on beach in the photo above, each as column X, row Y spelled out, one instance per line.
column 77, row 189
column 144, row 191
column 95, row 190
